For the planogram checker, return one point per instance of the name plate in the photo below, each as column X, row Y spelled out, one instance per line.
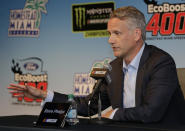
column 53, row 114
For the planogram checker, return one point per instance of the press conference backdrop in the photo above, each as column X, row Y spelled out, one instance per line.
column 47, row 43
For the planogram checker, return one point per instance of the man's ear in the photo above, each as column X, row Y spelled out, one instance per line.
column 137, row 34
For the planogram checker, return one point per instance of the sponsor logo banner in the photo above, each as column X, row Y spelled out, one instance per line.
column 91, row 17
column 83, row 84
column 29, row 71
column 167, row 20
column 26, row 22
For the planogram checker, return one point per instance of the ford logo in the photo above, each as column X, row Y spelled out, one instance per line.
column 30, row 66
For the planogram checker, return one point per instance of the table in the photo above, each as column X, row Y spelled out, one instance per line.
column 25, row 123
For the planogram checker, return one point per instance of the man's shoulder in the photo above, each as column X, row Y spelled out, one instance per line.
column 156, row 52
column 155, row 49
column 153, row 55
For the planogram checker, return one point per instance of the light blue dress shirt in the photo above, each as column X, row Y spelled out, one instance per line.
column 130, row 72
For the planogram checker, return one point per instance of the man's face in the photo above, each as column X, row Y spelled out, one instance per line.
column 122, row 39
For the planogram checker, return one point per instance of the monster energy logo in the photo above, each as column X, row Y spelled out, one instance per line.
column 91, row 18
column 80, row 17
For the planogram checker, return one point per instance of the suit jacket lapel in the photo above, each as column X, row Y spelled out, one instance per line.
column 116, row 90
column 140, row 75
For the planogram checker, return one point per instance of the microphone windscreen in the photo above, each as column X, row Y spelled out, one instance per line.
column 98, row 73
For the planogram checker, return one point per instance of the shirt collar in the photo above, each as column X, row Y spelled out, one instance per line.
column 135, row 62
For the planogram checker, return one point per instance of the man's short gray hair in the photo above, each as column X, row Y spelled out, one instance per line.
column 136, row 18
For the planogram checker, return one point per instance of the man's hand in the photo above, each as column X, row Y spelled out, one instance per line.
column 28, row 91
column 107, row 113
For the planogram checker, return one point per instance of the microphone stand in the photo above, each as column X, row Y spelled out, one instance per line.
column 96, row 88
column 99, row 107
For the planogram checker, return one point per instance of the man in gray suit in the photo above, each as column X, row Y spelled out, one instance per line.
column 144, row 85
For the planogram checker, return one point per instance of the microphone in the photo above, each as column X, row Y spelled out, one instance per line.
column 102, row 75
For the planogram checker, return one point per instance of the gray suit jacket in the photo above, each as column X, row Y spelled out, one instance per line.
column 158, row 94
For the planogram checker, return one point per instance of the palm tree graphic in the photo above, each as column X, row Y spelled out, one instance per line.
column 39, row 6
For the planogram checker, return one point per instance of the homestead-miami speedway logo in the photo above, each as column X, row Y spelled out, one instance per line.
column 26, row 22
column 83, row 84
column 29, row 71
column 168, row 20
